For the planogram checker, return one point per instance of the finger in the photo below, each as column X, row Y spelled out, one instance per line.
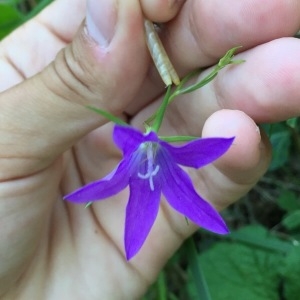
column 93, row 70
column 204, row 30
column 23, row 54
column 52, row 32
column 238, row 170
column 55, row 15
column 265, row 86
column 161, row 10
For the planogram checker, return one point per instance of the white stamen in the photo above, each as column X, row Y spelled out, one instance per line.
column 150, row 164
column 150, row 175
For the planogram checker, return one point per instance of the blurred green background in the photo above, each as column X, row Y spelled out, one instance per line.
column 260, row 259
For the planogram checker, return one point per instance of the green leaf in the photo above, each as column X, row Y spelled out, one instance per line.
column 9, row 2
column 199, row 279
column 107, row 115
column 88, row 204
column 178, row 138
column 288, row 201
column 195, row 86
column 10, row 18
column 257, row 236
column 237, row 271
column 292, row 122
column 159, row 115
column 281, row 142
column 8, row 13
column 292, row 220
column 161, row 286
column 291, row 275
column 39, row 7
column 227, row 58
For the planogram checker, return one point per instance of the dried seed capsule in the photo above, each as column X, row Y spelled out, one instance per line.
column 159, row 55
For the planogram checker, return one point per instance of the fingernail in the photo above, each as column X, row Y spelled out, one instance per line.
column 101, row 17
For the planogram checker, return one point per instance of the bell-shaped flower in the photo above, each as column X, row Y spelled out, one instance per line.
column 151, row 167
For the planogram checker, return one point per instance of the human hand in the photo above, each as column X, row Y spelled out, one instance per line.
column 52, row 249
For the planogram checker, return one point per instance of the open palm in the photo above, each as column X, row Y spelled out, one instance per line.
column 50, row 144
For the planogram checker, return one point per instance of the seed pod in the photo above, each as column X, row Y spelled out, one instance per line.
column 159, row 55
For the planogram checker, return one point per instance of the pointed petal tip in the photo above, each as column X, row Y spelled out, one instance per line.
column 72, row 198
column 74, row 201
column 219, row 228
column 131, row 247
column 224, row 231
column 67, row 198
column 129, row 256
column 75, row 197
column 130, row 252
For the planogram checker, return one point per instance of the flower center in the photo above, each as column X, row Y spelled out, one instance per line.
column 152, row 169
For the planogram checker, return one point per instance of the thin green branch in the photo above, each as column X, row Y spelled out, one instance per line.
column 198, row 276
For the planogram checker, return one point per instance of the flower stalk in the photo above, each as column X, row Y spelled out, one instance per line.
column 152, row 167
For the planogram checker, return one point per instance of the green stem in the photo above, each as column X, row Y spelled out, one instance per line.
column 198, row 276
column 161, row 110
column 161, row 286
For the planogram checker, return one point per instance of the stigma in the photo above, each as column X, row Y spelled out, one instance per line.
column 152, row 168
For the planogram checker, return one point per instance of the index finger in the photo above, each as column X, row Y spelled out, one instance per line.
column 203, row 31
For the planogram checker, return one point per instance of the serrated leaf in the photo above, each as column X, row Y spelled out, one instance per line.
column 292, row 220
column 247, row 268
column 237, row 271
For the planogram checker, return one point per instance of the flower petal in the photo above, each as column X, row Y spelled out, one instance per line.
column 108, row 186
column 181, row 195
column 199, row 153
column 141, row 212
column 127, row 138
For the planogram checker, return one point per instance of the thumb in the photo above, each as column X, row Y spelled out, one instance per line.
column 103, row 66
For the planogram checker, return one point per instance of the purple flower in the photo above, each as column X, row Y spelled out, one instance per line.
column 150, row 167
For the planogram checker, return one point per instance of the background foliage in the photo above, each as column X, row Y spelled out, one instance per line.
column 260, row 259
